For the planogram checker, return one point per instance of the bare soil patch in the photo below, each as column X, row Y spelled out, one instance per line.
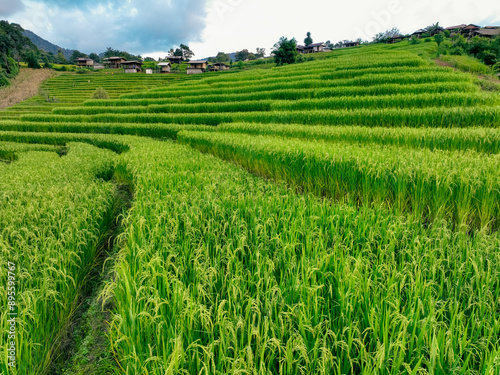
column 24, row 86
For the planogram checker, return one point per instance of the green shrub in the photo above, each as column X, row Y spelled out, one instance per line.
column 100, row 93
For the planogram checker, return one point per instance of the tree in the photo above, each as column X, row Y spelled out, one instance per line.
column 439, row 38
column 308, row 40
column 261, row 52
column 149, row 59
column 59, row 58
column 241, row 55
column 251, row 56
column 386, row 35
column 434, row 29
column 95, row 57
column 186, row 52
column 329, row 45
column 76, row 55
column 221, row 57
column 285, row 51
column 32, row 59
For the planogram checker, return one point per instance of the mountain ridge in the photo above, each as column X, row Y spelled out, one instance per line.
column 47, row 46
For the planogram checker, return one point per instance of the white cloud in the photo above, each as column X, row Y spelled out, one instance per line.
column 210, row 26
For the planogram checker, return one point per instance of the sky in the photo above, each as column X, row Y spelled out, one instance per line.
column 152, row 27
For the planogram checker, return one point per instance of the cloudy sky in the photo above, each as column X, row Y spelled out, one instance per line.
column 152, row 27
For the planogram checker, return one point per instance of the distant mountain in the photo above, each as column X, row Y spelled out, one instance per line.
column 46, row 45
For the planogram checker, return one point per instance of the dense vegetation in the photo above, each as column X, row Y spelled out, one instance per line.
column 338, row 216
column 13, row 46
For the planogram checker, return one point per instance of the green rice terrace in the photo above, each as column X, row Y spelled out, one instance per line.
column 339, row 216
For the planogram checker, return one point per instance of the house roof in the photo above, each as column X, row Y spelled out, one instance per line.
column 315, row 45
column 133, row 62
column 114, row 58
column 472, row 27
column 300, row 46
column 197, row 62
column 164, row 64
column 488, row 32
column 174, row 57
column 462, row 26
column 419, row 31
column 83, row 59
column 492, row 27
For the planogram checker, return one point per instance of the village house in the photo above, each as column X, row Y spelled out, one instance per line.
column 419, row 33
column 488, row 32
column 84, row 62
column 350, row 44
column 164, row 67
column 395, row 39
column 174, row 59
column 197, row 67
column 311, row 48
column 218, row 67
column 132, row 66
column 114, row 62
column 470, row 30
column 458, row 29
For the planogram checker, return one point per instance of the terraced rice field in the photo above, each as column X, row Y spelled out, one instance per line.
column 339, row 216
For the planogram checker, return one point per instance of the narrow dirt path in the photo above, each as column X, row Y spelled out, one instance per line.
column 24, row 86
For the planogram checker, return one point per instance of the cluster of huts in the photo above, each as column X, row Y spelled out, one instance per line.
column 135, row 66
column 321, row 47
column 468, row 31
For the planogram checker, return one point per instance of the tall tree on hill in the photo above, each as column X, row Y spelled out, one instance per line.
column 222, row 57
column 261, row 52
column 308, row 40
column 242, row 55
column 95, row 57
column 285, row 51
column 76, row 55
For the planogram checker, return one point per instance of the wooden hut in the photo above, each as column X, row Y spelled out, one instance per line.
column 395, row 39
column 350, row 44
column 314, row 48
column 164, row 67
column 197, row 67
column 419, row 33
column 114, row 62
column 488, row 32
column 457, row 29
column 217, row 67
column 84, row 62
column 470, row 30
column 174, row 59
column 132, row 66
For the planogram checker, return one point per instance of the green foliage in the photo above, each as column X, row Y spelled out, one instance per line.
column 240, row 65
column 285, row 51
column 484, row 49
column 308, row 40
column 100, row 93
column 31, row 59
column 76, row 55
column 242, row 55
column 13, row 44
column 439, row 38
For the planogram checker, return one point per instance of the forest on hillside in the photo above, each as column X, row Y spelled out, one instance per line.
column 14, row 46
